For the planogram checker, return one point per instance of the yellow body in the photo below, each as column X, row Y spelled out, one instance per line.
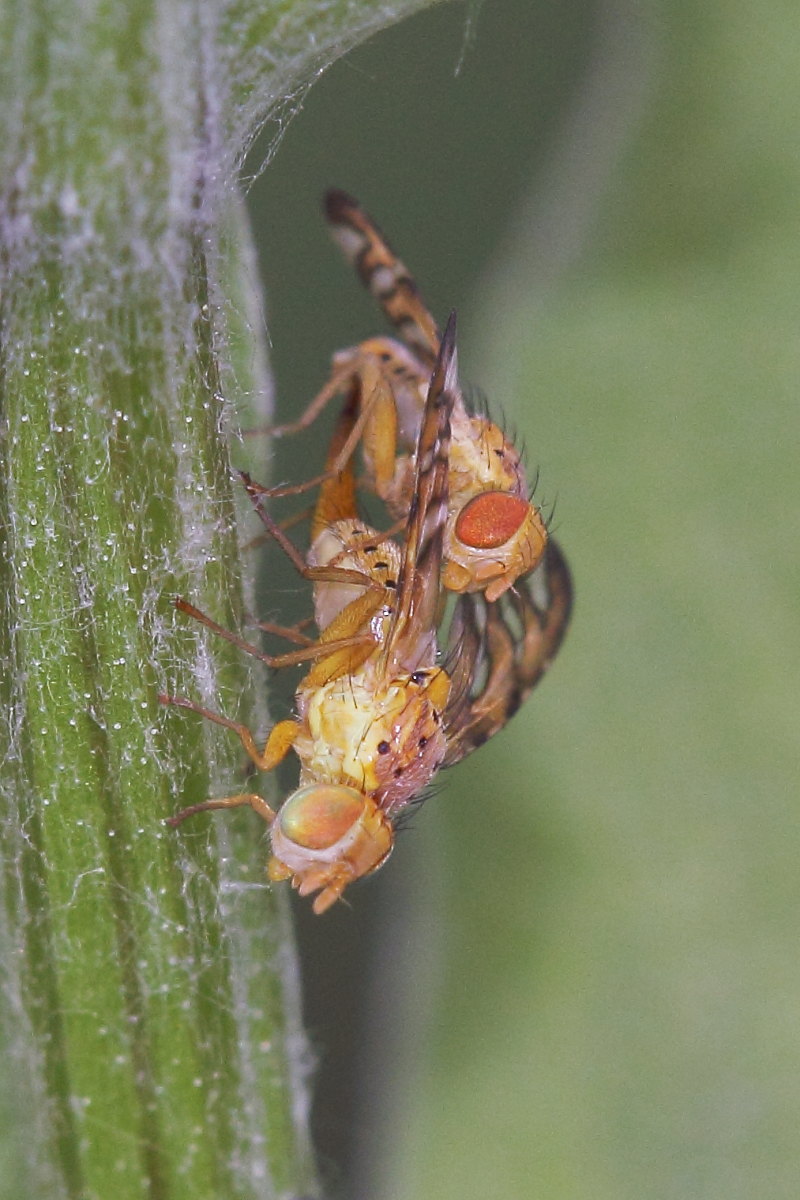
column 384, row 738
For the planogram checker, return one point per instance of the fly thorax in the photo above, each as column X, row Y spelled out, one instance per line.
column 346, row 721
column 384, row 740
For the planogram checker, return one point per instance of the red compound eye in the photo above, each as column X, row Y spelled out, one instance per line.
column 490, row 519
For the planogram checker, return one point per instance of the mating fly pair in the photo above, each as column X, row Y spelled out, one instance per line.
column 381, row 709
column 494, row 532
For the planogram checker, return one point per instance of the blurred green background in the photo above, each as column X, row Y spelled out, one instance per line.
column 580, row 975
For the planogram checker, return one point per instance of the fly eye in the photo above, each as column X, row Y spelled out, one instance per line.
column 490, row 519
column 317, row 817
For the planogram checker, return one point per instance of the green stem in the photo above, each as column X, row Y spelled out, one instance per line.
column 149, row 1002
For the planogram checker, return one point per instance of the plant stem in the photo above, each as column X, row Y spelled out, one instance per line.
column 152, row 1041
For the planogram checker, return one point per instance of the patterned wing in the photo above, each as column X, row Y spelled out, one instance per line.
column 416, row 613
column 382, row 272
column 498, row 652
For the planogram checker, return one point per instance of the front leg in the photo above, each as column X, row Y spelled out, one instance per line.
column 255, row 802
column 276, row 747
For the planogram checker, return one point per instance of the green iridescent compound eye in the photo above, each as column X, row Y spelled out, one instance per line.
column 316, row 817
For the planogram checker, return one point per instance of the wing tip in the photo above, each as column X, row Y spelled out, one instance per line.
column 338, row 204
column 448, row 355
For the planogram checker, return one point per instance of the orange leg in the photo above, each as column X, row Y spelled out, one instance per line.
column 391, row 359
column 255, row 802
column 276, row 747
column 315, row 574
column 334, row 468
column 337, row 384
column 377, row 370
column 309, row 653
column 289, row 633
column 286, row 523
